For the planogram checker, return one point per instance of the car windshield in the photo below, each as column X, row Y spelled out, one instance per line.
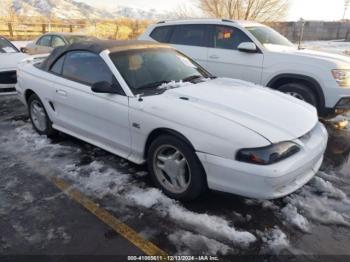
column 78, row 38
column 267, row 36
column 6, row 46
column 145, row 70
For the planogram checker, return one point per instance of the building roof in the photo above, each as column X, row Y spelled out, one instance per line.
column 97, row 46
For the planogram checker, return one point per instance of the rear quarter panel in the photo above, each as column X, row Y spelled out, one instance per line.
column 31, row 78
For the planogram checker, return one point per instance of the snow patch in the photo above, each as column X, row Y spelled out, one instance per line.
column 148, row 197
column 28, row 197
column 141, row 173
column 335, row 46
column 58, row 234
column 188, row 243
column 174, row 84
column 211, row 225
column 98, row 179
column 275, row 241
column 291, row 215
column 326, row 188
column 202, row 223
column 322, row 202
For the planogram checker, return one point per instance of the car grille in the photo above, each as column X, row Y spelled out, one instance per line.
column 9, row 77
column 7, row 90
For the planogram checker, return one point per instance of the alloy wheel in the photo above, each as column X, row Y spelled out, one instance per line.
column 296, row 95
column 171, row 169
column 38, row 116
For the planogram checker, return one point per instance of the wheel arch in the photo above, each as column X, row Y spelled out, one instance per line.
column 312, row 83
column 154, row 134
column 27, row 94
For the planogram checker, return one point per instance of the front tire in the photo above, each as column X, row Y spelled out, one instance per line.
column 175, row 168
column 38, row 116
column 300, row 91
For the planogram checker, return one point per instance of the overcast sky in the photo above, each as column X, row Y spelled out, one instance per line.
column 307, row 9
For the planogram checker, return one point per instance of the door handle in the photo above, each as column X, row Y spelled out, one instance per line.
column 214, row 57
column 61, row 92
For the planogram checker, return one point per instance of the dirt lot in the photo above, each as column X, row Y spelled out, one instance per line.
column 36, row 217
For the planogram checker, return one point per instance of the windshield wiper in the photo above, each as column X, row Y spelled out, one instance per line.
column 191, row 78
column 153, row 85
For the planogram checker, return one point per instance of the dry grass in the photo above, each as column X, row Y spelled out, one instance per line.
column 20, row 28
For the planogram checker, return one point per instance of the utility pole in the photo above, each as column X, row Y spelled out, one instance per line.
column 302, row 24
column 346, row 6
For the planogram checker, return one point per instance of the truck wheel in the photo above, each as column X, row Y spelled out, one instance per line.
column 175, row 168
column 38, row 116
column 299, row 91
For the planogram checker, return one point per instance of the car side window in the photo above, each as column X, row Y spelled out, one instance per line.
column 161, row 34
column 193, row 35
column 86, row 68
column 226, row 37
column 57, row 42
column 44, row 41
column 58, row 66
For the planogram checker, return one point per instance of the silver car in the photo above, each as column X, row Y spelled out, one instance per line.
column 47, row 42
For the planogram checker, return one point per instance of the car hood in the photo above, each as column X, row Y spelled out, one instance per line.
column 9, row 61
column 273, row 115
column 337, row 59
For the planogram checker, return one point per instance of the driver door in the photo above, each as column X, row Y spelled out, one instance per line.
column 225, row 60
column 101, row 119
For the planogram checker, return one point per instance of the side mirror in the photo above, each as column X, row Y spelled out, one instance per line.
column 248, row 47
column 107, row 88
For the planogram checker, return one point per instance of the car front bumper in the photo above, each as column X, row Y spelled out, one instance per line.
column 272, row 181
column 8, row 81
column 7, row 89
column 337, row 99
column 341, row 107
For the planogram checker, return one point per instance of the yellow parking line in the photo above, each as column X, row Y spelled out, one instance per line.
column 118, row 226
column 124, row 230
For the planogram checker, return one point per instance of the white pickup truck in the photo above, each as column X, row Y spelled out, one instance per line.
column 256, row 53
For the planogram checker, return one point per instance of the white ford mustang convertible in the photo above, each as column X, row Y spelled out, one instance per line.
column 147, row 102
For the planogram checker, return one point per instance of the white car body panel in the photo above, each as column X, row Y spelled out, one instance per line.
column 264, row 66
column 8, row 63
column 235, row 64
column 218, row 118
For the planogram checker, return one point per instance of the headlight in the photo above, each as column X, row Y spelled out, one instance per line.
column 268, row 155
column 342, row 77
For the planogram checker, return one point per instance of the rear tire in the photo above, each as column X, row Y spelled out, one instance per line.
column 300, row 91
column 39, row 118
column 182, row 182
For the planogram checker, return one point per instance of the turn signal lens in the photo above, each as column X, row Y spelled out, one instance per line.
column 342, row 77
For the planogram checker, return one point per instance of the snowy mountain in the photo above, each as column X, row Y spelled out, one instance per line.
column 70, row 9
column 137, row 13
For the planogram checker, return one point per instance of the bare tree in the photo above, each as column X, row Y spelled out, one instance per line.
column 259, row 10
column 9, row 10
column 184, row 11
